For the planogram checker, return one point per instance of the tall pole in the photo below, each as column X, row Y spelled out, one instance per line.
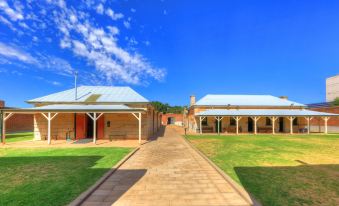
column 49, row 128
column 75, row 85
column 139, row 128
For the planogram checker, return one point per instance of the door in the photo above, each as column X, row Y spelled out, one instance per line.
column 250, row 124
column 81, row 126
column 100, row 127
column 216, row 126
column 281, row 124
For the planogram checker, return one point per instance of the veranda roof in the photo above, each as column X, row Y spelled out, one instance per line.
column 77, row 108
column 245, row 100
column 263, row 112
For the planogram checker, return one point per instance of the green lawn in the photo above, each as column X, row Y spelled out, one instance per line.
column 20, row 136
column 49, row 176
column 279, row 170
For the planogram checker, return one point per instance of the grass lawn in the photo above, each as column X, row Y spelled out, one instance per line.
column 279, row 170
column 20, row 136
column 50, row 176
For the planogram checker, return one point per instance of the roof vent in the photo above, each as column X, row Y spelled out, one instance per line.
column 284, row 97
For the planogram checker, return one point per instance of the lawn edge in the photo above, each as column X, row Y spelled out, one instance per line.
column 243, row 193
column 83, row 196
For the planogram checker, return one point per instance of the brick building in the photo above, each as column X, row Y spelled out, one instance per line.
column 171, row 118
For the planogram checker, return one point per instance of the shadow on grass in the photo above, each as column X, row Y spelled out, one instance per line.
column 55, row 180
column 292, row 185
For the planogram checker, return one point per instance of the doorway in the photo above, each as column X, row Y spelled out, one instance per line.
column 250, row 124
column 216, row 126
column 170, row 120
column 281, row 124
column 89, row 128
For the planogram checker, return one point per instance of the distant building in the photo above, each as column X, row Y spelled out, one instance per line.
column 171, row 118
column 332, row 88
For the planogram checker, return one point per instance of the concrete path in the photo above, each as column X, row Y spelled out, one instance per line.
column 166, row 171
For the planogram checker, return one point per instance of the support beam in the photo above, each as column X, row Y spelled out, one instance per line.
column 200, row 127
column 325, row 120
column 308, row 119
column 218, row 126
column 273, row 119
column 138, row 117
column 49, row 119
column 5, row 117
column 237, row 119
column 291, row 124
column 255, row 119
column 95, row 117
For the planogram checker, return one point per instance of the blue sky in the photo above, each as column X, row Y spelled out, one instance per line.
column 168, row 50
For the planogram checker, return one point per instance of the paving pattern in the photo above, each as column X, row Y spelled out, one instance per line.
column 166, row 171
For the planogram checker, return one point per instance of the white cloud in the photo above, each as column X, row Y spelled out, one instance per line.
column 114, row 30
column 133, row 10
column 14, row 15
column 100, row 9
column 127, row 24
column 40, row 61
column 115, row 16
column 13, row 53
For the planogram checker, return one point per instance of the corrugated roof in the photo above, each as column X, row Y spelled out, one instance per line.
column 263, row 112
column 244, row 100
column 79, row 107
column 107, row 94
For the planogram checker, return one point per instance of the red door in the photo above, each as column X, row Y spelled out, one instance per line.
column 101, row 125
column 81, row 126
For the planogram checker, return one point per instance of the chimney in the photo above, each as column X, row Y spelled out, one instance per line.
column 284, row 97
column 192, row 100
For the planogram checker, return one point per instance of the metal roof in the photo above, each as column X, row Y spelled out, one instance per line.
column 263, row 112
column 105, row 94
column 77, row 108
column 244, row 100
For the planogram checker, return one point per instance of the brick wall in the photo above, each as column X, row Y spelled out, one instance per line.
column 334, row 121
column 20, row 123
column 178, row 118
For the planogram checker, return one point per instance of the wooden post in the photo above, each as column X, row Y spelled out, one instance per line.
column 326, row 119
column 218, row 126
column 291, row 124
column 308, row 119
column 255, row 119
column 49, row 119
column 139, row 127
column 273, row 124
column 237, row 123
column 94, row 118
column 200, row 125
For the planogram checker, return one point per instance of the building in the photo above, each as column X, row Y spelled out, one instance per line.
column 250, row 114
column 332, row 88
column 171, row 118
column 97, row 112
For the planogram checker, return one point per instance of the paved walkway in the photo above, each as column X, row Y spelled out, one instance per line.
column 166, row 171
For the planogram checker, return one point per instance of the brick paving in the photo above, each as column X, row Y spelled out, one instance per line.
column 166, row 171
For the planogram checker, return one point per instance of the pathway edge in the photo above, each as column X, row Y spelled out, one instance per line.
column 83, row 196
column 243, row 193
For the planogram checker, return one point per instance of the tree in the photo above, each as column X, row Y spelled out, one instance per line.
column 336, row 102
column 166, row 108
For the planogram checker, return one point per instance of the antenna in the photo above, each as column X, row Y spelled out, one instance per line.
column 75, row 85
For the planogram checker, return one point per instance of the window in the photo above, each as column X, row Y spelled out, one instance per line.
column 268, row 121
column 108, row 123
column 295, row 122
column 232, row 121
column 204, row 122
